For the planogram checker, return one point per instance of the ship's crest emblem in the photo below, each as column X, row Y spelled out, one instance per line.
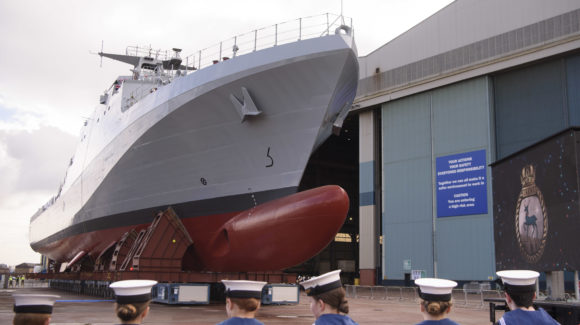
column 531, row 219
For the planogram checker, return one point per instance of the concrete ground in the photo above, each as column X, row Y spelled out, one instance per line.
column 80, row 309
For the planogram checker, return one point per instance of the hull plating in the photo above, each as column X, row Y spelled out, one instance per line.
column 273, row 236
column 186, row 143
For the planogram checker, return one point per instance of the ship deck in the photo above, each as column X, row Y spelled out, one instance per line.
column 78, row 309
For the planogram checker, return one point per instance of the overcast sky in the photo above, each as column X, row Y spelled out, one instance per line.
column 49, row 81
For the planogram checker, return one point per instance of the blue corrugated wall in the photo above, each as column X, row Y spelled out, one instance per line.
column 500, row 114
column 416, row 130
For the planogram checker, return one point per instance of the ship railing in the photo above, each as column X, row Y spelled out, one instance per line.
column 258, row 39
column 149, row 51
column 267, row 37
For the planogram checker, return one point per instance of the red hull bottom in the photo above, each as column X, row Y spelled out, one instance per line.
column 269, row 237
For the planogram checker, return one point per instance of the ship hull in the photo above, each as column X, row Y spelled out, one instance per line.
column 293, row 227
column 187, row 146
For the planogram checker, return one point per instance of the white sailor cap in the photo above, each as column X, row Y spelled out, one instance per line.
column 32, row 303
column 132, row 291
column 433, row 289
column 519, row 280
column 244, row 288
column 323, row 283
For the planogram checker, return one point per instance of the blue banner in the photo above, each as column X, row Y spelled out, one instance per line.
column 461, row 184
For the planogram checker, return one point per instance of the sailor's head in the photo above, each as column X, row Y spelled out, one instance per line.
column 519, row 285
column 242, row 296
column 434, row 289
column 132, row 297
column 32, row 309
column 323, row 283
column 435, row 295
column 131, row 291
column 519, row 280
column 326, row 294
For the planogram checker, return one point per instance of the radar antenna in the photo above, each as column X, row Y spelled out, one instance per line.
column 341, row 16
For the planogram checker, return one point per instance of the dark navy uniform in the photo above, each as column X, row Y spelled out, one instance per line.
column 334, row 319
column 527, row 317
column 241, row 321
column 444, row 321
column 522, row 283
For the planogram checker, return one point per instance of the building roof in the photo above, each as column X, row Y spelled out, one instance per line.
column 466, row 39
column 26, row 265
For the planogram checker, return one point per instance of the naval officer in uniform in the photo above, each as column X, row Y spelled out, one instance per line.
column 520, row 291
column 435, row 302
column 242, row 301
column 328, row 299
column 31, row 309
column 132, row 299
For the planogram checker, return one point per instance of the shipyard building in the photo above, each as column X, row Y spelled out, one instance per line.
column 437, row 106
